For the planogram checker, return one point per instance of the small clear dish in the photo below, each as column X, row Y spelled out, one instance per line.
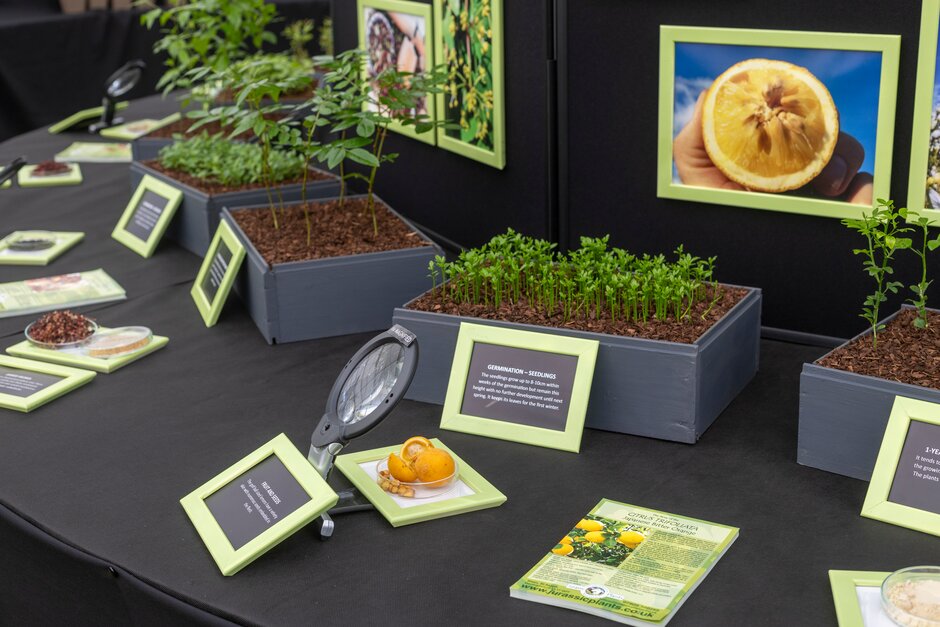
column 117, row 342
column 92, row 327
column 416, row 489
column 911, row 596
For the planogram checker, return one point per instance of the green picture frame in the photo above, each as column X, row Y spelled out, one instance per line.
column 485, row 494
column 25, row 177
column 7, row 184
column 231, row 560
column 129, row 131
column 28, row 350
column 72, row 378
column 210, row 308
column 877, row 506
column 569, row 439
column 172, row 195
column 888, row 46
column 64, row 240
column 84, row 116
column 424, row 12
column 445, row 16
column 845, row 597
column 928, row 73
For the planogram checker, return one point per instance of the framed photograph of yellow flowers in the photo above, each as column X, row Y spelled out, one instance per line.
column 398, row 34
column 472, row 105
column 790, row 121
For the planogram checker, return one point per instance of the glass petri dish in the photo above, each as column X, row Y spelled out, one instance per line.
column 421, row 490
column 117, row 342
column 911, row 596
column 92, row 326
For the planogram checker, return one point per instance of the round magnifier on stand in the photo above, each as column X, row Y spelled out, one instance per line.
column 366, row 391
column 121, row 82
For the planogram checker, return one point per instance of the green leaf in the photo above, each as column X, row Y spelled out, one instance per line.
column 364, row 157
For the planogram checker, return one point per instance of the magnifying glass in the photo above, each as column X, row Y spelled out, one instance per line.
column 119, row 83
column 366, row 391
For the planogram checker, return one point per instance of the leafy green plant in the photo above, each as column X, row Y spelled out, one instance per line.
column 883, row 231
column 299, row 34
column 217, row 160
column 206, row 33
column 919, row 301
column 326, row 36
column 291, row 73
column 594, row 281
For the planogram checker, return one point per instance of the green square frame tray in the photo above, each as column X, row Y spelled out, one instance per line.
column 25, row 178
column 485, row 494
column 28, row 350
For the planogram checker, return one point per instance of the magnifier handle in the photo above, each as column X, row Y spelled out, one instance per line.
column 322, row 457
column 10, row 170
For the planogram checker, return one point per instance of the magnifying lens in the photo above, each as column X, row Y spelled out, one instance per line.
column 366, row 391
column 121, row 82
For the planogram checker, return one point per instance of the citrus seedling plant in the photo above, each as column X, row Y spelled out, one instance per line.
column 919, row 301
column 299, row 34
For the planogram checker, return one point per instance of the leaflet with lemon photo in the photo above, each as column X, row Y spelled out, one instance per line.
column 628, row 564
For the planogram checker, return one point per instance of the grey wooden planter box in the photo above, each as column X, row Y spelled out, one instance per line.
column 843, row 416
column 198, row 215
column 148, row 148
column 305, row 300
column 643, row 387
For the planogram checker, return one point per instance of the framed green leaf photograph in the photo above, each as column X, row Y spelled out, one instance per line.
column 905, row 484
column 470, row 45
column 521, row 386
column 147, row 215
column 399, row 34
column 800, row 122
column 923, row 196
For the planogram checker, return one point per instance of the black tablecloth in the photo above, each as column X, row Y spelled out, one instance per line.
column 91, row 530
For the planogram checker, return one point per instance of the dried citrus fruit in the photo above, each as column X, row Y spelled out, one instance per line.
column 563, row 549
column 434, row 465
column 769, row 125
column 413, row 446
column 589, row 525
column 400, row 469
column 594, row 536
column 631, row 538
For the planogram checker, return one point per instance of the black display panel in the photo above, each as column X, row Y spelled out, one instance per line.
column 519, row 385
column 146, row 214
column 213, row 279
column 256, row 500
column 917, row 478
column 24, row 383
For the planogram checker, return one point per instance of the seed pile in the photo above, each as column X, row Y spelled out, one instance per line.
column 60, row 327
column 50, row 168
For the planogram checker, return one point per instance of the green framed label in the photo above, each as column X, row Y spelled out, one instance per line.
column 76, row 358
column 217, row 274
column 25, row 177
column 83, row 116
column 359, row 468
column 138, row 128
column 520, row 385
column 10, row 255
column 905, row 484
column 473, row 100
column 860, row 74
column 147, row 215
column 399, row 31
column 261, row 500
column 923, row 192
column 26, row 384
column 845, row 585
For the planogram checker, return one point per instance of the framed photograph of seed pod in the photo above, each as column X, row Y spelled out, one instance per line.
column 398, row 34
column 923, row 196
column 785, row 121
column 472, row 105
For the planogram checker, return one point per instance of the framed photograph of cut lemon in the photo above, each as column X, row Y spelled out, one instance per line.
column 779, row 120
column 521, row 386
column 923, row 195
column 469, row 44
column 398, row 34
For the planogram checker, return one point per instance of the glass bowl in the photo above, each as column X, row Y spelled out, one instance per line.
column 92, row 326
column 911, row 596
column 416, row 489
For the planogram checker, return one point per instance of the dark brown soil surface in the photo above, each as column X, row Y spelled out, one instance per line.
column 182, row 126
column 337, row 231
column 212, row 187
column 686, row 332
column 905, row 353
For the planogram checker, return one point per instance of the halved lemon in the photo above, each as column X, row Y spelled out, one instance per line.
column 413, row 447
column 769, row 125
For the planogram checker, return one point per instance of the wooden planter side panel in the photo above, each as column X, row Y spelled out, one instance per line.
column 728, row 359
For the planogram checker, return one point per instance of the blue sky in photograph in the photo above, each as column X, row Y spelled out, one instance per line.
column 936, row 79
column 853, row 78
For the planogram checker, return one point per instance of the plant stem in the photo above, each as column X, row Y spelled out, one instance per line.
column 378, row 155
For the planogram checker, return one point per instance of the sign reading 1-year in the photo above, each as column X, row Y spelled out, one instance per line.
column 217, row 274
column 147, row 215
column 520, row 386
column 905, row 485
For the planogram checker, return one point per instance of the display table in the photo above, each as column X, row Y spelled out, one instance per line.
column 92, row 532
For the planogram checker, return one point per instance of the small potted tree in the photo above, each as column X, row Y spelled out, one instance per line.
column 846, row 396
column 325, row 267
column 675, row 345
